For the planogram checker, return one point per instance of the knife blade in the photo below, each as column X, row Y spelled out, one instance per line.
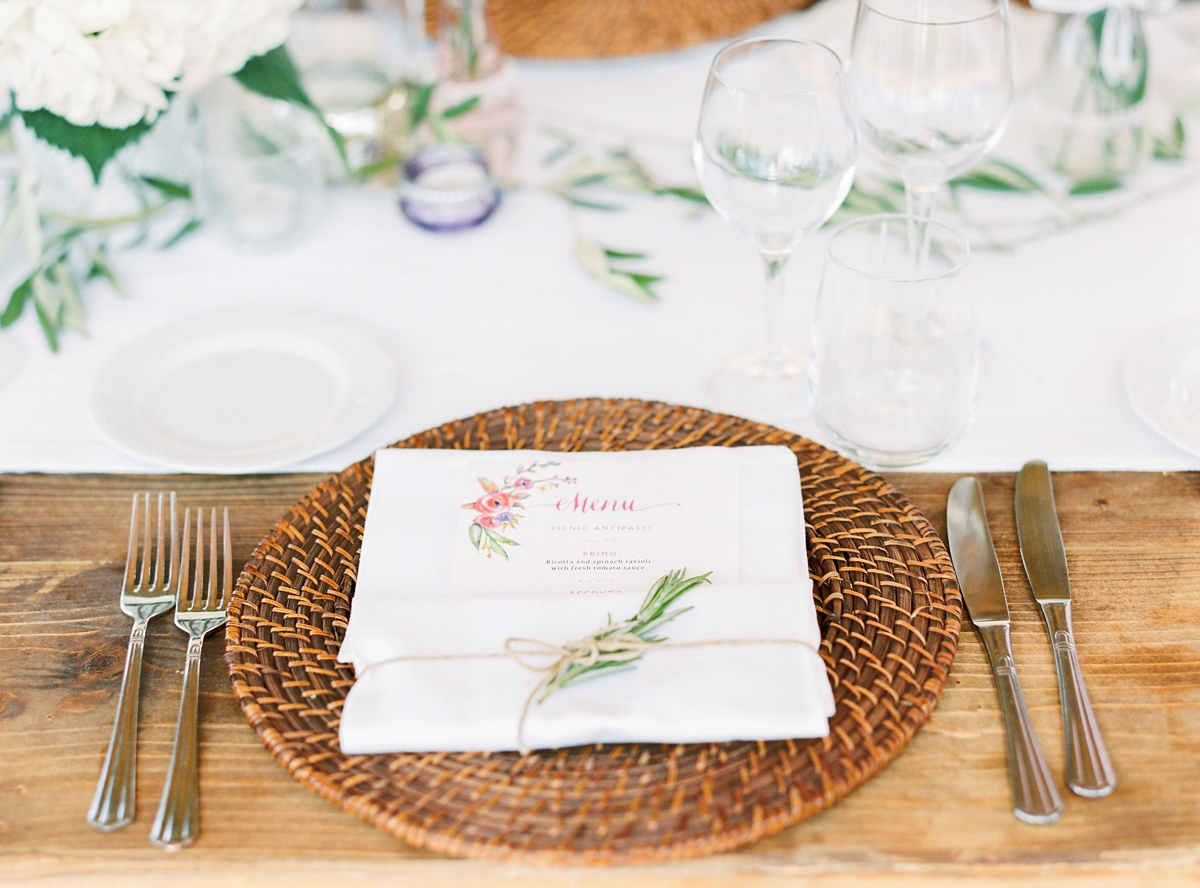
column 1089, row 770
column 1035, row 797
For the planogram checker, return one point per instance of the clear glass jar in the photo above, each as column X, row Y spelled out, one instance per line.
column 1091, row 98
column 472, row 67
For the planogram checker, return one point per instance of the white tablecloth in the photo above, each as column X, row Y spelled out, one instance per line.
column 503, row 315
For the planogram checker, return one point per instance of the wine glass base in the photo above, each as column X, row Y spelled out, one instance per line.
column 762, row 383
column 881, row 458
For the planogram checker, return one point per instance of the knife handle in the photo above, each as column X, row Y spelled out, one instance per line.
column 1035, row 797
column 1089, row 770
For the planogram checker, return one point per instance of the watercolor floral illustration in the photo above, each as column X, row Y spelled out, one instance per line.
column 498, row 509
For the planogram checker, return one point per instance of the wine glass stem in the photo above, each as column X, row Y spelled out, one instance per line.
column 776, row 262
column 918, row 198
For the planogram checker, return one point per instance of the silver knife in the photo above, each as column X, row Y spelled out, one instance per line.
column 1089, row 770
column 1035, row 797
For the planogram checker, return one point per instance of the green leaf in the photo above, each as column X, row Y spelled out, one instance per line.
column 557, row 154
column 692, row 194
column 642, row 283
column 190, row 226
column 497, row 538
column 420, row 105
column 1094, row 186
column 996, row 175
column 618, row 254
column 95, row 144
column 274, row 75
column 591, row 205
column 1171, row 149
column 101, row 269
column 461, row 108
column 49, row 325
column 174, row 190
column 476, row 535
column 374, row 168
column 590, row 179
column 16, row 302
column 70, row 312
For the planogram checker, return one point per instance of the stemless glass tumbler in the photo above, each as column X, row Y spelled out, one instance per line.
column 895, row 346
column 775, row 151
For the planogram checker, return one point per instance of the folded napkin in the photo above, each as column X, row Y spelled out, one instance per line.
column 471, row 693
column 428, row 637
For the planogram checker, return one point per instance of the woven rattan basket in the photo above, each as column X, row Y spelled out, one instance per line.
column 886, row 597
column 592, row 29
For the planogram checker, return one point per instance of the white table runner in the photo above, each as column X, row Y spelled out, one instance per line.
column 503, row 314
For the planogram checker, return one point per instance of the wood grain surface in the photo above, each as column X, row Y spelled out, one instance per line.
column 939, row 815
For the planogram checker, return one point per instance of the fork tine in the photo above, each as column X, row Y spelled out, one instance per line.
column 181, row 579
column 227, row 585
column 131, row 557
column 210, row 600
column 158, row 549
column 198, row 587
column 166, row 560
column 144, row 561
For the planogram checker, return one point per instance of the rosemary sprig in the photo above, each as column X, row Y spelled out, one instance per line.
column 619, row 645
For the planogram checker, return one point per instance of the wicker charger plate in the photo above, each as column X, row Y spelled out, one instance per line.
column 886, row 597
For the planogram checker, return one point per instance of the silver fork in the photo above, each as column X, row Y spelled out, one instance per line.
column 145, row 593
column 197, row 613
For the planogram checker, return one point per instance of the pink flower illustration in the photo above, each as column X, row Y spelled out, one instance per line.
column 496, row 511
column 494, row 502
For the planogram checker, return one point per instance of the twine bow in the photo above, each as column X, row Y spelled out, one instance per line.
column 617, row 645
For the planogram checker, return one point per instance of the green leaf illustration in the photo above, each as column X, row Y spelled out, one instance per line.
column 494, row 543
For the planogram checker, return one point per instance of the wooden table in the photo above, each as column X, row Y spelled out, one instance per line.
column 938, row 815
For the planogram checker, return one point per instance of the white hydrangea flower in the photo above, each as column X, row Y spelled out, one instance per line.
column 114, row 62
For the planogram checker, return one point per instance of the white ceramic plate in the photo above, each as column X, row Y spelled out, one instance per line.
column 1162, row 379
column 245, row 391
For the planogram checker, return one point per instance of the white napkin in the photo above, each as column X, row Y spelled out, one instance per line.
column 725, row 690
column 405, row 605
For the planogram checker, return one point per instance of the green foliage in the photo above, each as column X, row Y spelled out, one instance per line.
column 996, row 175
column 274, row 75
column 1094, row 186
column 96, row 144
column 622, row 644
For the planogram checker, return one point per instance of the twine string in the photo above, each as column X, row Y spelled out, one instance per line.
column 616, row 645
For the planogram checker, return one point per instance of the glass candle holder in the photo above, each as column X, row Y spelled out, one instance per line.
column 448, row 188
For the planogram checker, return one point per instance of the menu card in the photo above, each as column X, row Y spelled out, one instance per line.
column 581, row 526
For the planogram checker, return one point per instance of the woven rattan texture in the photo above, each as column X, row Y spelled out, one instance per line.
column 592, row 29
column 886, row 596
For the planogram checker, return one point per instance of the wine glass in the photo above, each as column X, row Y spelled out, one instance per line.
column 931, row 84
column 775, row 151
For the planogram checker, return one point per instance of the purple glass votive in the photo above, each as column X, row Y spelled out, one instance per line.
column 448, row 188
